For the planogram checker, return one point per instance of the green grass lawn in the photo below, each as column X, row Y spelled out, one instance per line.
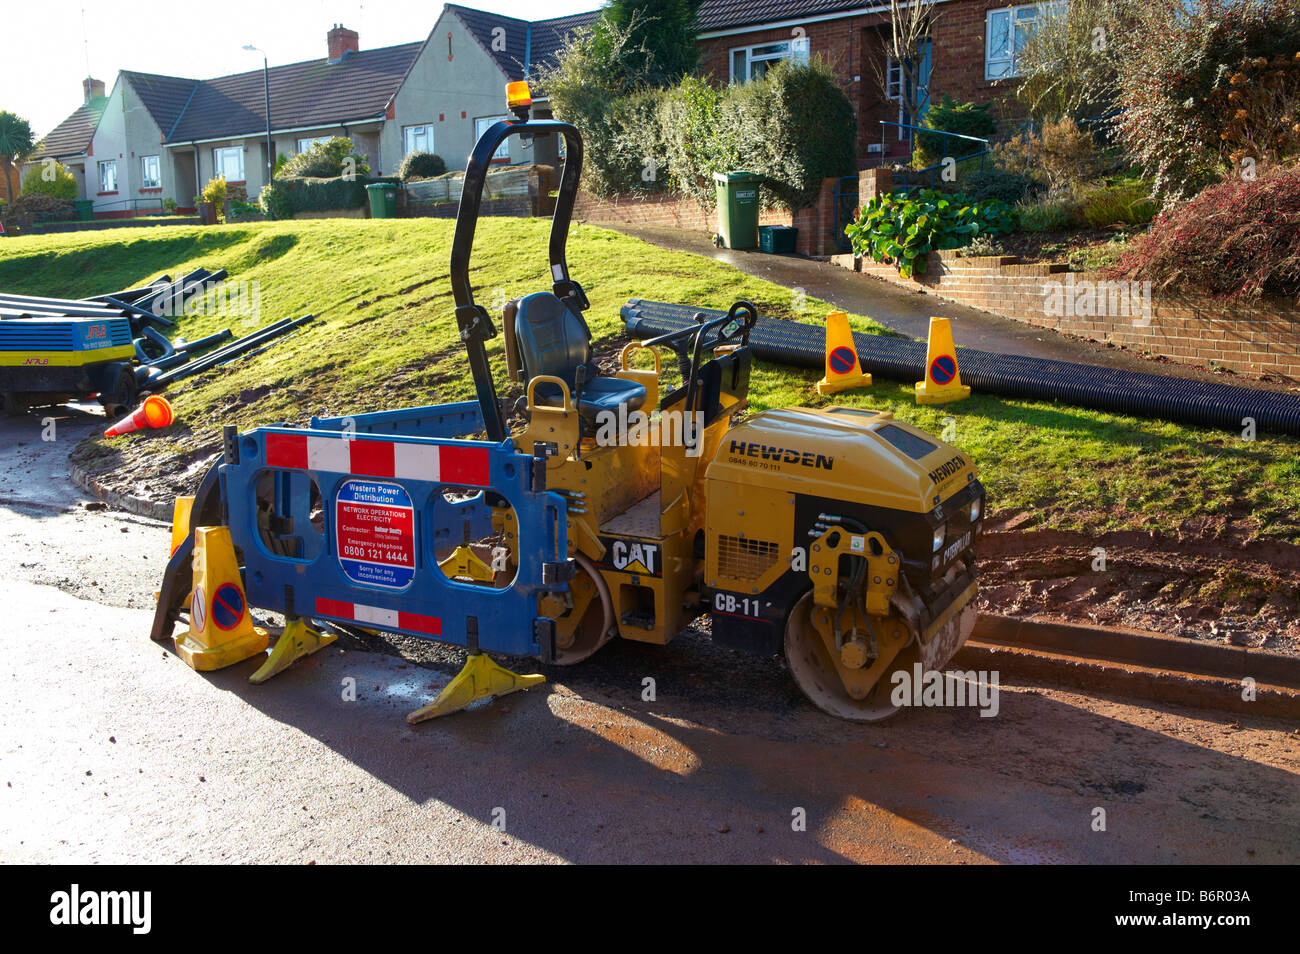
column 385, row 338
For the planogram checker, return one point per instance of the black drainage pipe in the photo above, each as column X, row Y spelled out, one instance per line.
column 1205, row 403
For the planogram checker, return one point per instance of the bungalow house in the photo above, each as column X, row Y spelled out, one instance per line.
column 971, row 48
column 156, row 137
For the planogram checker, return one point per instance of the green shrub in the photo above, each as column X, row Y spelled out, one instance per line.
column 1181, row 122
column 794, row 126
column 954, row 116
column 327, row 160
column 51, row 179
column 421, row 165
column 903, row 227
column 994, row 183
column 1055, row 214
column 980, row 246
column 274, row 201
column 43, row 207
column 1124, row 204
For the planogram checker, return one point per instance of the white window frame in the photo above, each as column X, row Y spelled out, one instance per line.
column 481, row 123
column 108, row 183
column 1021, row 20
column 894, row 92
column 408, row 135
column 796, row 48
column 146, row 180
column 222, row 156
column 305, row 144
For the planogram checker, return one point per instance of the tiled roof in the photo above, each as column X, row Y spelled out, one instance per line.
column 164, row 96
column 527, row 44
column 72, row 136
column 728, row 14
column 313, row 93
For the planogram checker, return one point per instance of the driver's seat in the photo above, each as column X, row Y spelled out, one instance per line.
column 551, row 338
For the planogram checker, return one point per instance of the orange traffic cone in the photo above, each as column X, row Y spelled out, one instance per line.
column 154, row 412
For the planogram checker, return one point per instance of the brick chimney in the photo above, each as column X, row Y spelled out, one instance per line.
column 93, row 89
column 342, row 41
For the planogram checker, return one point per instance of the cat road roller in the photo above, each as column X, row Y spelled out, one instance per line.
column 618, row 505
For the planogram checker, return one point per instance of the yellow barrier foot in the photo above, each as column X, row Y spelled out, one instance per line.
column 297, row 640
column 466, row 563
column 481, row 678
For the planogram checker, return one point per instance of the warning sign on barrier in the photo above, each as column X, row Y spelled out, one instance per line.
column 375, row 536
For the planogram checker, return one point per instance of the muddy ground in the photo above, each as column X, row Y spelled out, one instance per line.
column 1207, row 584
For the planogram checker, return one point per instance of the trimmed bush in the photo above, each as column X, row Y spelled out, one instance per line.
column 1239, row 239
column 327, row 160
column 287, row 196
column 61, row 184
column 41, row 206
column 421, row 165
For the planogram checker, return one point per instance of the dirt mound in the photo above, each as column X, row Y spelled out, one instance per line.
column 1194, row 587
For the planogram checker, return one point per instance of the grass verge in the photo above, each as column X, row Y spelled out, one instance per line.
column 385, row 338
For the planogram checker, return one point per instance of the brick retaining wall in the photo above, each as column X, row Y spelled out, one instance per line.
column 671, row 210
column 1258, row 339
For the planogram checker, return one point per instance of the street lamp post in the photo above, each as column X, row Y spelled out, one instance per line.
column 266, row 83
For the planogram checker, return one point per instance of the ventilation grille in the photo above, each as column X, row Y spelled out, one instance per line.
column 745, row 560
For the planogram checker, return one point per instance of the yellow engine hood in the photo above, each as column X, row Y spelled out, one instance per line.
column 843, row 453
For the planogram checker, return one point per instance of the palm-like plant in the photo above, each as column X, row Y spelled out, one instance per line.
column 15, row 142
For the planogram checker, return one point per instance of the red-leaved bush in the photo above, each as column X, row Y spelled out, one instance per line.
column 1238, row 239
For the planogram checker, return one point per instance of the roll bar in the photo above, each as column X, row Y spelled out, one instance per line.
column 472, row 319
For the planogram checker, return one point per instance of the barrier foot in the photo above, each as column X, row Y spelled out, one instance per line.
column 297, row 640
column 481, row 678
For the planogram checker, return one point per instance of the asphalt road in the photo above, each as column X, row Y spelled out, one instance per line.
column 112, row 750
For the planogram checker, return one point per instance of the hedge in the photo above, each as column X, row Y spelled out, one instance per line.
column 288, row 195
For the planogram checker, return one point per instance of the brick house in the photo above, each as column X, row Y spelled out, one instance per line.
column 971, row 54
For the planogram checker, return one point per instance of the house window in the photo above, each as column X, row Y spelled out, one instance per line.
column 108, row 176
column 150, row 173
column 417, row 139
column 1006, row 32
column 481, row 126
column 751, row 62
column 910, row 108
column 229, row 162
column 305, row 144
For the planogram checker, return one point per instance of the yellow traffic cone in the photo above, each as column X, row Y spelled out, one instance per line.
column 221, row 630
column 942, row 379
column 843, row 370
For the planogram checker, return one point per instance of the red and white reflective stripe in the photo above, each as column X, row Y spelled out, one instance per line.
column 375, row 616
column 366, row 457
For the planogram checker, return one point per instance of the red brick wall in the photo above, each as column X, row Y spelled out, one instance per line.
column 670, row 210
column 1257, row 340
column 853, row 44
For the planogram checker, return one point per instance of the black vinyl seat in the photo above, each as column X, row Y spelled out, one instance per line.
column 553, row 339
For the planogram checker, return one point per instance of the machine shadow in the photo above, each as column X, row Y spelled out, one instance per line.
column 715, row 768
